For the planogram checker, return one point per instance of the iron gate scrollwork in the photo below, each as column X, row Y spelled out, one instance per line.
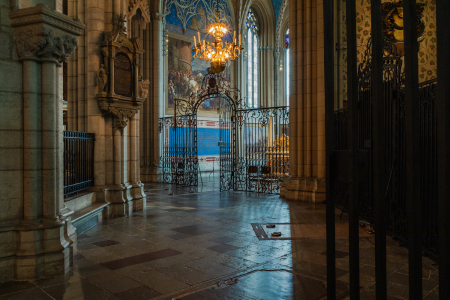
column 263, row 149
column 253, row 142
column 184, row 136
column 394, row 107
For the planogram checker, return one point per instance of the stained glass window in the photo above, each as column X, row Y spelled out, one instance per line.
column 287, row 69
column 252, row 58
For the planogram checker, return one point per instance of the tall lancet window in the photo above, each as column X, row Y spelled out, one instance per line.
column 252, row 58
column 288, row 69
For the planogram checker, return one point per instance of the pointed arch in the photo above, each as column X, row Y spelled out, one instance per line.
column 264, row 11
column 142, row 5
column 266, row 16
column 282, row 24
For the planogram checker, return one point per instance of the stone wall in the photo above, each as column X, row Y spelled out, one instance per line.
column 11, row 145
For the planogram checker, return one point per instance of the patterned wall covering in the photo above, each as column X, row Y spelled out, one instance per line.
column 427, row 51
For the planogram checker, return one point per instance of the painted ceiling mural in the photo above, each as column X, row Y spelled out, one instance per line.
column 277, row 5
column 196, row 15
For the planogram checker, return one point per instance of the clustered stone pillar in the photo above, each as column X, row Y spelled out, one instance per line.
column 46, row 239
column 276, row 56
column 149, row 137
column 307, row 103
column 137, row 188
column 266, row 90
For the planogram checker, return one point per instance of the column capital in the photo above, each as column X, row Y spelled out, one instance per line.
column 157, row 16
column 43, row 34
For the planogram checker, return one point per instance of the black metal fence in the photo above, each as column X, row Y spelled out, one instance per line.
column 408, row 148
column 395, row 157
column 78, row 161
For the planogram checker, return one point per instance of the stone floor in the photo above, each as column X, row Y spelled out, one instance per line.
column 200, row 244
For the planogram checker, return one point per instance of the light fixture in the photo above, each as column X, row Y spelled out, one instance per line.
column 216, row 52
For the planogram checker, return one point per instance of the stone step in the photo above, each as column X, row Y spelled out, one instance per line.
column 86, row 218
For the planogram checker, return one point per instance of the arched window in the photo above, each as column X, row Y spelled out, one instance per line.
column 288, row 79
column 252, row 58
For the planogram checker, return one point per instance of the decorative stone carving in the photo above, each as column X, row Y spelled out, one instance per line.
column 102, row 79
column 123, row 97
column 139, row 5
column 157, row 16
column 143, row 87
column 122, row 115
column 41, row 33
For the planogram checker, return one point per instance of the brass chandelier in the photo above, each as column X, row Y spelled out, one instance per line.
column 215, row 51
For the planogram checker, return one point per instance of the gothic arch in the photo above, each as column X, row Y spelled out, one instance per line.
column 266, row 21
column 266, row 17
column 282, row 25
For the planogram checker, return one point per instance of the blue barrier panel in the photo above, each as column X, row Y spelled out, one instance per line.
column 207, row 139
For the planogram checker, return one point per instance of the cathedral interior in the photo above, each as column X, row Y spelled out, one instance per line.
column 224, row 149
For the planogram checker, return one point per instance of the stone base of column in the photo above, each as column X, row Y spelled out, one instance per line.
column 311, row 189
column 137, row 191
column 124, row 200
column 151, row 174
column 139, row 197
column 44, row 249
column 120, row 200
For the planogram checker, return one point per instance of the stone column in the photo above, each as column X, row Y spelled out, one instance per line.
column 276, row 56
column 307, row 115
column 50, row 139
column 266, row 82
column 46, row 239
column 119, row 195
column 151, row 112
column 32, row 142
column 137, row 188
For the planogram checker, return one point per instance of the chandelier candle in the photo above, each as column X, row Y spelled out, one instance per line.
column 218, row 53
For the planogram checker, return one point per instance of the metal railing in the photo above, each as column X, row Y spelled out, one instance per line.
column 395, row 161
column 78, row 161
column 260, row 161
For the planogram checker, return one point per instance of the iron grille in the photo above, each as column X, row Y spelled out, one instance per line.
column 78, row 161
column 394, row 96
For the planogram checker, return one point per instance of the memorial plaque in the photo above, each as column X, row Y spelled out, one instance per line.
column 123, row 75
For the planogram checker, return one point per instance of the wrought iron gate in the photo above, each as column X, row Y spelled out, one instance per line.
column 253, row 143
column 227, row 144
column 263, row 149
column 181, row 145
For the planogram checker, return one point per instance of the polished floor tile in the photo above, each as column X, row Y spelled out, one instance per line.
column 202, row 245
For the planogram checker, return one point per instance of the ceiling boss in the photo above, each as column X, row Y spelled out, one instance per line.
column 216, row 52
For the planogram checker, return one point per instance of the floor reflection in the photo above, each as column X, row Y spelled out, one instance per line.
column 186, row 245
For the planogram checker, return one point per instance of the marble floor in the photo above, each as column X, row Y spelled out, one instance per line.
column 200, row 244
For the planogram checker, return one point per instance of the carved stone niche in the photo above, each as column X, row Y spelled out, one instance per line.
column 119, row 84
